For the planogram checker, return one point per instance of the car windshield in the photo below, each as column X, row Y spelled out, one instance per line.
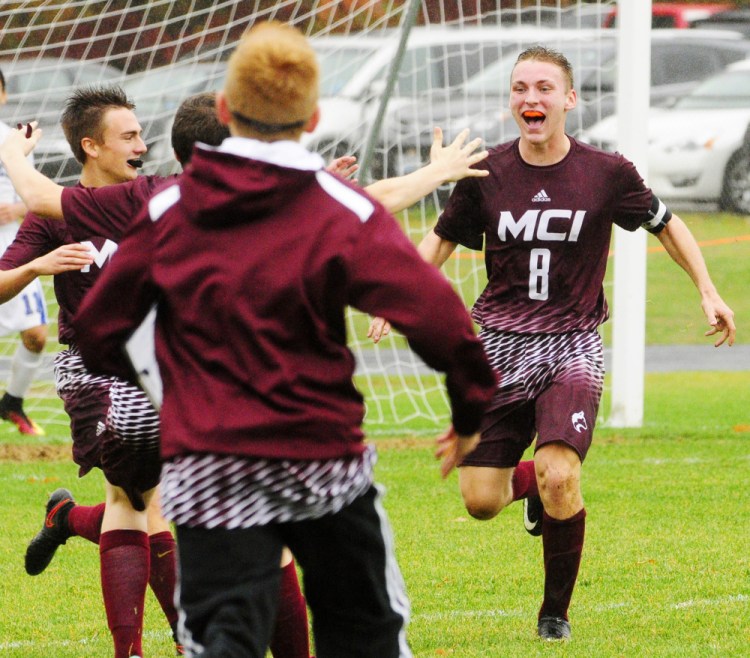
column 726, row 90
column 338, row 65
column 164, row 88
column 41, row 77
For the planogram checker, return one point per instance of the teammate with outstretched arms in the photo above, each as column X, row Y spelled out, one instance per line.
column 113, row 426
column 269, row 413
column 544, row 216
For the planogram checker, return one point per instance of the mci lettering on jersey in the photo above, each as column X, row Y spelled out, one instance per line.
column 552, row 225
column 100, row 255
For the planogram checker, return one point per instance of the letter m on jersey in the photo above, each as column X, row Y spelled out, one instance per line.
column 100, row 255
column 552, row 225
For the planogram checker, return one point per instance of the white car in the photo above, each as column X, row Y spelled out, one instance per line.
column 699, row 148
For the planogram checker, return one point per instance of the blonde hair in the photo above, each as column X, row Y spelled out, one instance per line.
column 272, row 80
column 550, row 56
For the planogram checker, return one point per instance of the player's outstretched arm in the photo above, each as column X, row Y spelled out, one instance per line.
column 684, row 250
column 452, row 449
column 447, row 163
column 63, row 259
column 41, row 195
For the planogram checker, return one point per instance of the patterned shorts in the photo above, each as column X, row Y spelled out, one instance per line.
column 113, row 425
column 550, row 388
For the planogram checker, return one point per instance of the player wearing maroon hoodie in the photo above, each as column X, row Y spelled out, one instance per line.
column 252, row 258
column 544, row 215
column 114, row 207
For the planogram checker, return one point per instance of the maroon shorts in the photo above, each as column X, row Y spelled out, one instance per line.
column 113, row 425
column 550, row 388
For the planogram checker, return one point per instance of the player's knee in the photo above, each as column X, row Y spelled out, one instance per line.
column 559, row 485
column 35, row 339
column 482, row 508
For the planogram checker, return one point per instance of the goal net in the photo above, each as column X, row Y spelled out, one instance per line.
column 391, row 70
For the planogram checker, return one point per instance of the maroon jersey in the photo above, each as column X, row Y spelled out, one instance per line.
column 95, row 217
column 107, row 211
column 547, row 234
column 253, row 256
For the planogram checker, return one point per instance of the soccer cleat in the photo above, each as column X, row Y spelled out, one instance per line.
column 54, row 532
column 24, row 424
column 553, row 628
column 533, row 512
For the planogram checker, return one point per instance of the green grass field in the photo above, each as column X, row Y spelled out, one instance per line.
column 666, row 571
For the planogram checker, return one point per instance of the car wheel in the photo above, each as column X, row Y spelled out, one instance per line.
column 735, row 193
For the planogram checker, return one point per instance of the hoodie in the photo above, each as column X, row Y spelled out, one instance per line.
column 253, row 257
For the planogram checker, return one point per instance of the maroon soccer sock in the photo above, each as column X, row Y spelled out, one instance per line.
column 524, row 480
column 563, row 545
column 163, row 573
column 124, row 556
column 86, row 522
column 290, row 635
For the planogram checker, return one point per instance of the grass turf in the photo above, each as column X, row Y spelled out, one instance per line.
column 665, row 569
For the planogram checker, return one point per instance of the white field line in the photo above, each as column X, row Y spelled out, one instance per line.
column 628, row 608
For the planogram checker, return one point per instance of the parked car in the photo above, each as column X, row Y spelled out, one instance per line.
column 676, row 14
column 737, row 20
column 37, row 89
column 698, row 149
column 354, row 75
column 679, row 60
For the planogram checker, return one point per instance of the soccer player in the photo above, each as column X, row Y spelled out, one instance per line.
column 545, row 215
column 113, row 425
column 26, row 314
column 253, row 255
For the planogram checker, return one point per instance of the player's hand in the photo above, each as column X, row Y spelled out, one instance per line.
column 344, row 166
column 452, row 449
column 456, row 160
column 721, row 319
column 11, row 212
column 379, row 328
column 25, row 138
column 63, row 259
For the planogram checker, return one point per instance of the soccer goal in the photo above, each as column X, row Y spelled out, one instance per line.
column 391, row 70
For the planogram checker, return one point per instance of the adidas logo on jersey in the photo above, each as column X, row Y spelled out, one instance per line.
column 541, row 195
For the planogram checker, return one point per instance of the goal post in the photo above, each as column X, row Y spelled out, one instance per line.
column 162, row 51
column 629, row 298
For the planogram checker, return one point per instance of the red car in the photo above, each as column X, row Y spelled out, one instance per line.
column 675, row 14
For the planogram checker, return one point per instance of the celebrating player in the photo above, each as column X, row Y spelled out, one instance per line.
column 113, row 425
column 545, row 214
column 261, row 435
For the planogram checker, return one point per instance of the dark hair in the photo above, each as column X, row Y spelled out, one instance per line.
column 544, row 54
column 84, row 113
column 196, row 121
column 2, row 81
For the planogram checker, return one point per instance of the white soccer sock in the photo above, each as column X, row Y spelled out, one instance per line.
column 23, row 368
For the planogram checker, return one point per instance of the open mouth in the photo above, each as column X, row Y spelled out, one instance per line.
column 136, row 163
column 533, row 118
